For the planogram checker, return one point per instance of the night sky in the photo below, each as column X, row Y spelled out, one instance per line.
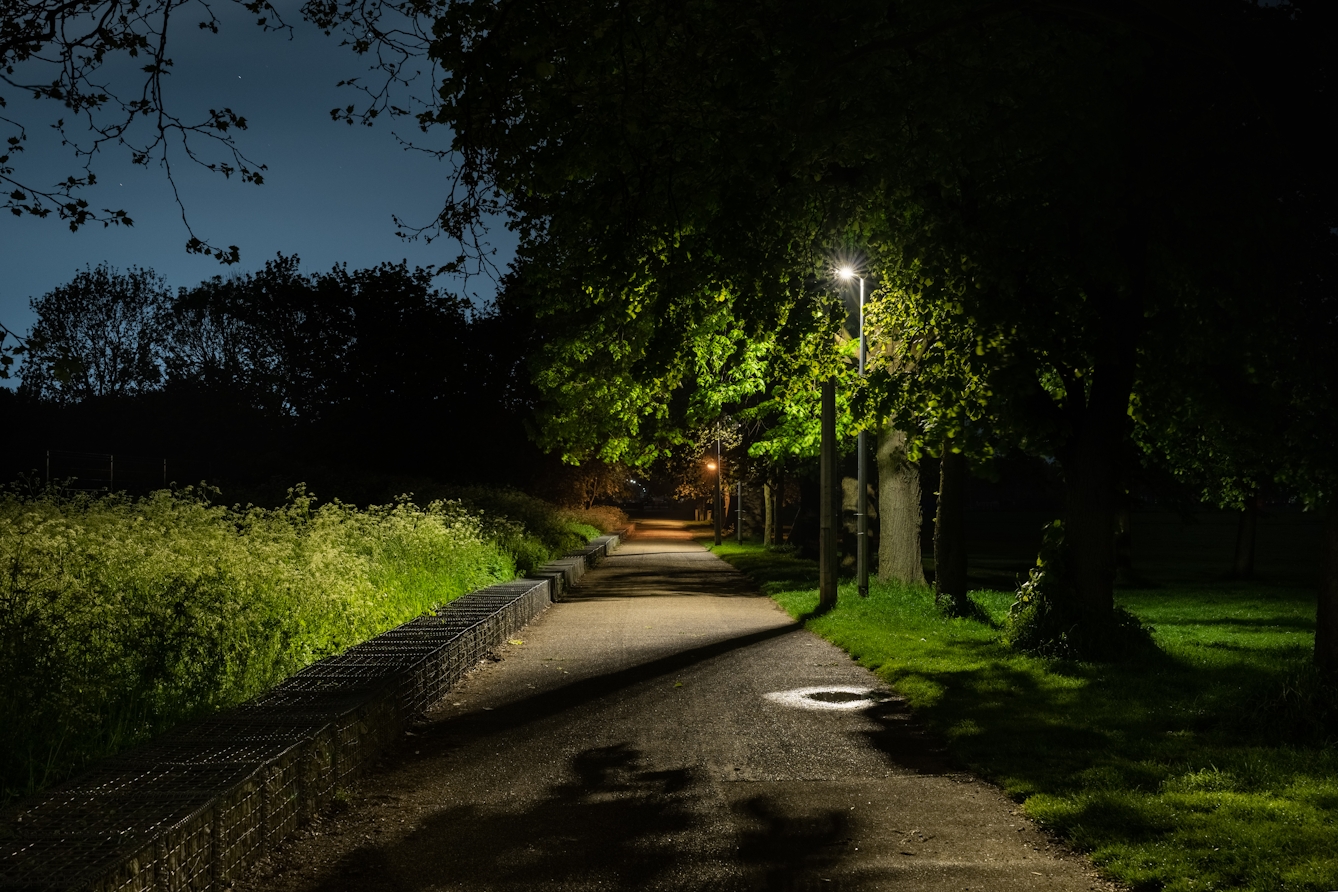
column 328, row 195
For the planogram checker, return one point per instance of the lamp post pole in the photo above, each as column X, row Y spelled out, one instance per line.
column 828, row 504
column 719, row 501
column 862, row 459
column 862, row 474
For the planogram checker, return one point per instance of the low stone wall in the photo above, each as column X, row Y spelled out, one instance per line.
column 193, row 809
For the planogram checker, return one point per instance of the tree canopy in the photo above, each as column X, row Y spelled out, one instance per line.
column 1068, row 208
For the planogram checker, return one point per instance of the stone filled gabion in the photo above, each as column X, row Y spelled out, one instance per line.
column 193, row 809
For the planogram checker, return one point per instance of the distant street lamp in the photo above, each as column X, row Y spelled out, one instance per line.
column 862, row 481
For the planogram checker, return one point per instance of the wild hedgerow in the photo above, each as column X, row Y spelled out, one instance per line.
column 121, row 617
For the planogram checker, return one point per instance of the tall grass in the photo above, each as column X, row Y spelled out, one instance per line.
column 120, row 618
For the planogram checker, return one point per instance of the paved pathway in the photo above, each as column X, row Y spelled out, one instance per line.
column 641, row 737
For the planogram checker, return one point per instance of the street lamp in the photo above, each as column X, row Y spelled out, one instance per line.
column 862, row 481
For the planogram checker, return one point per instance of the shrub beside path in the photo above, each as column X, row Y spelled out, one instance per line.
column 667, row 727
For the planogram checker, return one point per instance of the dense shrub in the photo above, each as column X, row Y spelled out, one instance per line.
column 604, row 518
column 120, row 618
column 532, row 530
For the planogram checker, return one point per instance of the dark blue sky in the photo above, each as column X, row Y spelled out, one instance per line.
column 328, row 195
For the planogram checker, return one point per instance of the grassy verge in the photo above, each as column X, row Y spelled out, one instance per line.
column 120, row 618
column 1209, row 767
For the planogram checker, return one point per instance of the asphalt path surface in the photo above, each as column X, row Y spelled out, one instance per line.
column 667, row 727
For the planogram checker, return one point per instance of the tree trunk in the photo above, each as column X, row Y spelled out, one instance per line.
column 769, row 518
column 1326, row 615
column 1089, row 527
column 950, row 533
column 1098, row 408
column 1124, row 543
column 898, row 511
column 804, row 527
column 1243, row 565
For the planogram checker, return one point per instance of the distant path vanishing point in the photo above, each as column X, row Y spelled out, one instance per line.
column 667, row 727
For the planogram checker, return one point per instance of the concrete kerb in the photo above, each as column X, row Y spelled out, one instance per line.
column 193, row 809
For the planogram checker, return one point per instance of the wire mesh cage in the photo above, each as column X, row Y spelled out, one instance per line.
column 116, row 819
column 192, row 809
column 239, row 827
column 167, row 751
column 185, row 854
column 282, row 802
column 72, row 863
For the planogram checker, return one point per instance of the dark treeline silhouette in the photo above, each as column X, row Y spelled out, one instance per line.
column 361, row 383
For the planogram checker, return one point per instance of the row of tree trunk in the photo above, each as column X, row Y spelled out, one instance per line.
column 899, row 554
column 899, row 507
column 899, row 528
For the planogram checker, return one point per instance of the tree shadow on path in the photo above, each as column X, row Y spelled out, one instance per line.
column 615, row 824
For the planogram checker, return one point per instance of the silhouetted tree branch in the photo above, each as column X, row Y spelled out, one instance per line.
column 59, row 50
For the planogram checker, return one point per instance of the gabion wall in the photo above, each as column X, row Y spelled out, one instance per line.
column 192, row 810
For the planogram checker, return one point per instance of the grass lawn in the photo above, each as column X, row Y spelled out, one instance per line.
column 1204, row 768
